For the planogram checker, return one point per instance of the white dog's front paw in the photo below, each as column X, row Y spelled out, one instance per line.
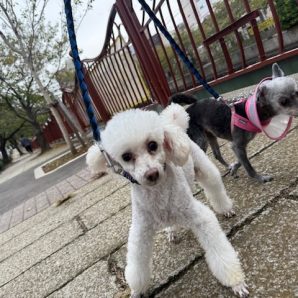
column 172, row 234
column 135, row 295
column 241, row 290
column 230, row 213
column 172, row 237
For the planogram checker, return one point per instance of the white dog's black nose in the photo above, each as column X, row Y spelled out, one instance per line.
column 152, row 175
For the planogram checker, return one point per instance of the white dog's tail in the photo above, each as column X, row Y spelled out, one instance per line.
column 95, row 160
column 175, row 114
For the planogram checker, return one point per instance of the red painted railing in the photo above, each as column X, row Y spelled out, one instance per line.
column 137, row 66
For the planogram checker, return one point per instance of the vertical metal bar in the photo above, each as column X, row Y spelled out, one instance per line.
column 167, row 57
column 119, row 73
column 221, row 40
column 112, row 87
column 174, row 52
column 256, row 31
column 191, row 39
column 125, row 80
column 135, row 87
column 113, row 82
column 239, row 42
column 100, row 88
column 180, row 39
column 106, row 89
column 277, row 25
column 119, row 82
column 159, row 60
column 204, row 37
column 141, row 80
column 150, row 67
column 128, row 79
column 96, row 98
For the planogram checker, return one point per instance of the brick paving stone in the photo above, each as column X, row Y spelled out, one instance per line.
column 53, row 194
column 86, row 175
column 17, row 215
column 41, row 201
column 76, row 181
column 29, row 208
column 44, row 199
column 5, row 220
column 65, row 187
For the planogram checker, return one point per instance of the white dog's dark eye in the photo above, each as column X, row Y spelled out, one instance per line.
column 152, row 146
column 127, row 156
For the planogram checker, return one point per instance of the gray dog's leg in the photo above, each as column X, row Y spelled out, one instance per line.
column 241, row 154
column 198, row 135
column 215, row 149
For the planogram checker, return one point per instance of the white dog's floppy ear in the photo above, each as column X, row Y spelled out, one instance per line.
column 95, row 160
column 176, row 144
column 277, row 71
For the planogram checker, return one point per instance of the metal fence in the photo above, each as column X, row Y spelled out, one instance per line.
column 223, row 38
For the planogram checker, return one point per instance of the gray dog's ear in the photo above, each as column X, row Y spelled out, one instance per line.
column 277, row 71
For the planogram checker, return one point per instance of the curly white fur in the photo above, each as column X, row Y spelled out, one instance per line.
column 163, row 198
column 95, row 160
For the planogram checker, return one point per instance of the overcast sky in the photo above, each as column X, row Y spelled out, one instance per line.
column 92, row 30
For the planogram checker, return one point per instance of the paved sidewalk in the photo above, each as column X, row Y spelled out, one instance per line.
column 77, row 249
column 46, row 198
column 22, row 163
column 43, row 200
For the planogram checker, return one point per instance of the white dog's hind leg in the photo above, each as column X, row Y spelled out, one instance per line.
column 139, row 255
column 209, row 178
column 221, row 257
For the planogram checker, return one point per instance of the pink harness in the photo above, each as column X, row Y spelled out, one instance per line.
column 252, row 123
column 245, row 123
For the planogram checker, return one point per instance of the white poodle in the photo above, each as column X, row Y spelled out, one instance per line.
column 155, row 150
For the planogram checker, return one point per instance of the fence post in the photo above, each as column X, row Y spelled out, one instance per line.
column 151, row 68
column 105, row 116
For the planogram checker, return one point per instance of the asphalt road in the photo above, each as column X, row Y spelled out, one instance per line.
column 24, row 186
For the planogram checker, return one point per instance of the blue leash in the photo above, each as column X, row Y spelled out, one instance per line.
column 84, row 90
column 79, row 70
column 176, row 47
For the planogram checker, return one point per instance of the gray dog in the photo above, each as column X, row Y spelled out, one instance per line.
column 211, row 118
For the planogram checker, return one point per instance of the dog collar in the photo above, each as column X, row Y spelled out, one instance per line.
column 275, row 128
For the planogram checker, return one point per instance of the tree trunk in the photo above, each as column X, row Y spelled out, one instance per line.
column 40, row 138
column 5, row 157
column 14, row 142
column 76, row 127
column 63, row 130
column 48, row 99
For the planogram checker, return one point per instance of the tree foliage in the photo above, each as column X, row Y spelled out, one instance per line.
column 9, row 126
column 288, row 13
column 33, row 48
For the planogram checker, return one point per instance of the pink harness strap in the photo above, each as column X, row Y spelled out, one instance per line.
column 245, row 123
